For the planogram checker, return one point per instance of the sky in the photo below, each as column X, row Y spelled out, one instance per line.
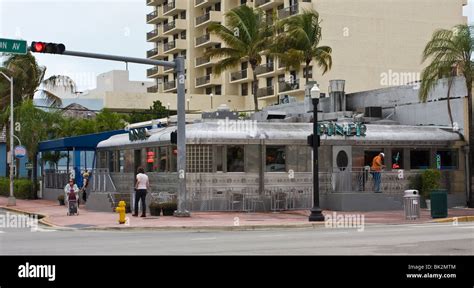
column 115, row 27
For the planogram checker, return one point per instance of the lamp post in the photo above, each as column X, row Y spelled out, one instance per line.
column 187, row 101
column 316, row 212
column 168, row 110
column 211, row 95
column 11, row 199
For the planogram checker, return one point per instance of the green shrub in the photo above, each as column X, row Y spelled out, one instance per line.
column 169, row 208
column 155, row 209
column 430, row 180
column 22, row 188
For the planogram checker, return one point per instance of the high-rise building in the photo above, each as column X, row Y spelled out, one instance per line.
column 376, row 43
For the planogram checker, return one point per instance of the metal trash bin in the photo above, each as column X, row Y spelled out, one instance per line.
column 439, row 203
column 411, row 201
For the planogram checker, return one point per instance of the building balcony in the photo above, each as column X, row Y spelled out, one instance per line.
column 154, row 2
column 169, row 86
column 204, row 3
column 153, row 89
column 266, row 92
column 265, row 69
column 241, row 76
column 155, row 16
column 206, row 40
column 156, row 34
column 268, row 4
column 292, row 88
column 155, row 72
column 295, row 9
column 156, row 53
column 173, row 8
column 206, row 19
column 174, row 46
column 174, row 27
column 203, row 62
column 207, row 81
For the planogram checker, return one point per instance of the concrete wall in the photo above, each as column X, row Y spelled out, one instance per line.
column 118, row 80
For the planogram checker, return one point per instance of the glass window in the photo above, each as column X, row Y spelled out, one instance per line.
column 150, row 160
column 219, row 159
column 419, row 159
column 252, row 159
column 112, row 161
column 369, row 156
column 122, row 161
column 235, row 158
column 447, row 159
column 275, row 159
column 173, row 152
column 397, row 159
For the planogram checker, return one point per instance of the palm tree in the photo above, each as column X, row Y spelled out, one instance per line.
column 28, row 78
column 299, row 43
column 246, row 36
column 53, row 158
column 450, row 50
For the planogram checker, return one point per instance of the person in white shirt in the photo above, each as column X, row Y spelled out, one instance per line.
column 141, row 185
column 71, row 188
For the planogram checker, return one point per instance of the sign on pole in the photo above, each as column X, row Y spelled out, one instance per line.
column 13, row 46
column 20, row 152
column 29, row 166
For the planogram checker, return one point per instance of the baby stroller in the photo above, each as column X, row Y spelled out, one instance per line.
column 72, row 204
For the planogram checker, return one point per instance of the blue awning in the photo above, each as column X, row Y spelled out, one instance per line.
column 79, row 143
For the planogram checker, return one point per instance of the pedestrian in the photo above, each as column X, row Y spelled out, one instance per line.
column 377, row 166
column 85, row 183
column 72, row 192
column 141, row 185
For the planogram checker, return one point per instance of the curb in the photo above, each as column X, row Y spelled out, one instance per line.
column 205, row 228
column 454, row 219
column 42, row 217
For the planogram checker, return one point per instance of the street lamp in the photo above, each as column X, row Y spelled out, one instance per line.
column 169, row 110
column 316, row 212
column 188, row 104
column 11, row 199
column 211, row 95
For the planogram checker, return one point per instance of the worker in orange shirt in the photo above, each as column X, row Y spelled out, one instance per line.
column 377, row 166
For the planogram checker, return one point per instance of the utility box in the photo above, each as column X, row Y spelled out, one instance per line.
column 439, row 203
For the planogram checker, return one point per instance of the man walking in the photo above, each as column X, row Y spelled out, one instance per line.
column 377, row 166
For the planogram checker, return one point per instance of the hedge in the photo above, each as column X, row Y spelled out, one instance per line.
column 22, row 188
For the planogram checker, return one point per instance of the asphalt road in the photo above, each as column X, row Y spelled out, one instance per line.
column 426, row 239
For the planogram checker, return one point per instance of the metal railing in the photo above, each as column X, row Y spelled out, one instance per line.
column 56, row 180
column 239, row 75
column 151, row 15
column 289, row 86
column 288, row 11
column 202, row 60
column 203, row 80
column 152, row 71
column 152, row 34
column 170, row 45
column 169, row 26
column 168, row 7
column 203, row 18
column 265, row 68
column 152, row 89
column 169, row 85
column 267, row 91
column 203, row 39
column 152, row 52
column 261, row 2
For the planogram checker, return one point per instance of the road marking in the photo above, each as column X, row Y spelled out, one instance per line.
column 204, row 239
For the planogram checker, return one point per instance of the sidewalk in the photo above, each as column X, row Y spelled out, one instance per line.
column 55, row 216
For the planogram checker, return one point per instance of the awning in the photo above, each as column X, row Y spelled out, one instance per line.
column 79, row 143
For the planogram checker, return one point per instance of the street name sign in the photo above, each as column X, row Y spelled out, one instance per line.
column 13, row 46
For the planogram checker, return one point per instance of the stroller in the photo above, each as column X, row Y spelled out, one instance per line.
column 72, row 204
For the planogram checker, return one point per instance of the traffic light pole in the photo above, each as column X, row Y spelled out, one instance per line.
column 179, row 66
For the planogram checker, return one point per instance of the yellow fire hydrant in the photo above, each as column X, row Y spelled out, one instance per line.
column 121, row 210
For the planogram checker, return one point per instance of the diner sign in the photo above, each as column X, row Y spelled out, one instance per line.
column 342, row 129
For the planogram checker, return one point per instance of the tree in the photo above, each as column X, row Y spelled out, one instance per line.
column 246, row 36
column 53, row 158
column 109, row 121
column 156, row 111
column 29, row 80
column 299, row 43
column 450, row 50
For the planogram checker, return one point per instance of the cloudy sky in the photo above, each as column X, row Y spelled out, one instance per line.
column 104, row 26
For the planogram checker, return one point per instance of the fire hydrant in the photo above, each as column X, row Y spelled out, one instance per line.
column 121, row 210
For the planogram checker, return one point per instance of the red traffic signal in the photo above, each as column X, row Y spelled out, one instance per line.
column 51, row 48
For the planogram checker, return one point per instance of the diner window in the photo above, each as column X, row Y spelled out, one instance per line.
column 121, row 161
column 369, row 156
column 113, row 161
column 397, row 159
column 419, row 159
column 173, row 152
column 235, row 158
column 275, row 159
column 252, row 159
column 219, row 158
column 150, row 160
column 297, row 158
column 162, row 159
column 447, row 159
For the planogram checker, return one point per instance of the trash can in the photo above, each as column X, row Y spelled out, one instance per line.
column 411, row 201
column 439, row 203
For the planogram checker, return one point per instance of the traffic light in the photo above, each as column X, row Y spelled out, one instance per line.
column 174, row 137
column 43, row 47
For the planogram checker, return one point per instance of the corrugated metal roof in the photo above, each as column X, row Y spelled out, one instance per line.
column 232, row 130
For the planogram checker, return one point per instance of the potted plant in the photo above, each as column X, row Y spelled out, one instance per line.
column 169, row 208
column 430, row 180
column 155, row 208
column 61, row 199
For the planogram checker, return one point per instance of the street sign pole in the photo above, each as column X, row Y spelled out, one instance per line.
column 11, row 199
